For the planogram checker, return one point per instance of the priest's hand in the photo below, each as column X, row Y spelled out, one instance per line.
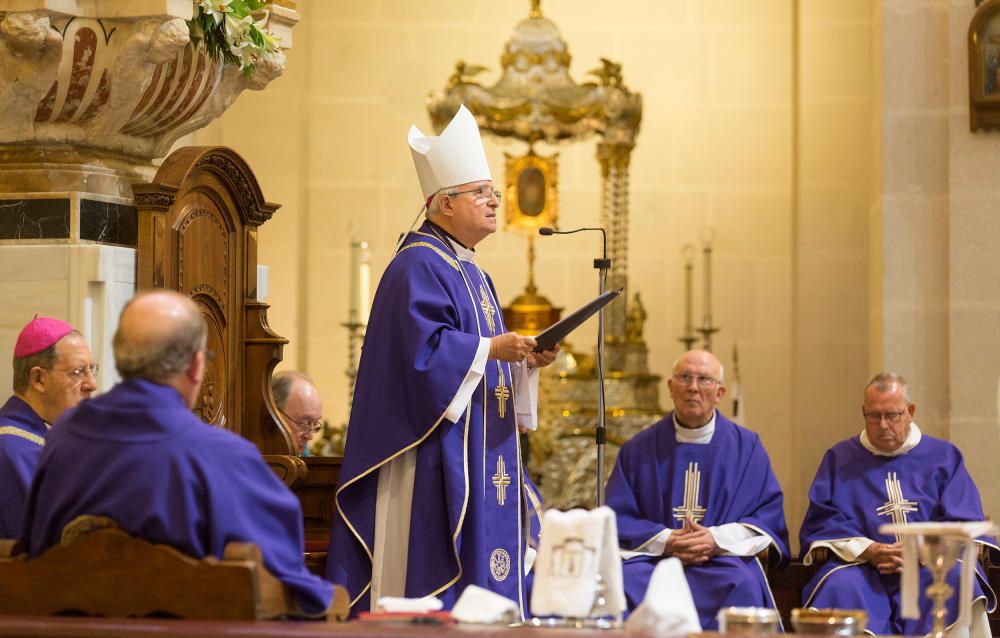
column 543, row 358
column 886, row 558
column 693, row 544
column 511, row 346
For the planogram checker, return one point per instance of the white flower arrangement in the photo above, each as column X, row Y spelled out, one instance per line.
column 229, row 31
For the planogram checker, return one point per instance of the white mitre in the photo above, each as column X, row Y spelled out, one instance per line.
column 452, row 158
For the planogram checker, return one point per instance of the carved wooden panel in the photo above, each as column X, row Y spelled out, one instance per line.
column 198, row 224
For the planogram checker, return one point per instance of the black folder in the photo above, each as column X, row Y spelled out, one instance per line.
column 555, row 333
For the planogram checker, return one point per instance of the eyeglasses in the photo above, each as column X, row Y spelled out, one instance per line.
column 702, row 380
column 311, row 427
column 483, row 192
column 892, row 418
column 79, row 374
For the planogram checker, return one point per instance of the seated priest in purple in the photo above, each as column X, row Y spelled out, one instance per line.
column 53, row 371
column 700, row 488
column 139, row 455
column 890, row 473
column 432, row 495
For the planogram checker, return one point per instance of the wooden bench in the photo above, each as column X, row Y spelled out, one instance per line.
column 100, row 570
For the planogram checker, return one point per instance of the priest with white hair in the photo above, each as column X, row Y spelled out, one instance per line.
column 432, row 493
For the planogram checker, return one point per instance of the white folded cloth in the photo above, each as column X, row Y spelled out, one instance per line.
column 668, row 608
column 576, row 547
column 478, row 605
column 396, row 605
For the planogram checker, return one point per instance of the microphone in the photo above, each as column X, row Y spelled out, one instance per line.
column 547, row 231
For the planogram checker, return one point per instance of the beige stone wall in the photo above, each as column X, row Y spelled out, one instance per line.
column 830, row 272
column 972, row 366
column 730, row 139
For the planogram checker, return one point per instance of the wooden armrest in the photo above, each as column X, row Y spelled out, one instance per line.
column 291, row 470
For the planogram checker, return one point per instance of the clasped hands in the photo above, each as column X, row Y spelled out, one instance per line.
column 693, row 544
column 513, row 347
column 886, row 558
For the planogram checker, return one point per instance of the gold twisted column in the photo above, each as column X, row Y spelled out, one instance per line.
column 614, row 159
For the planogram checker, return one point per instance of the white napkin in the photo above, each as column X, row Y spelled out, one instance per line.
column 577, row 546
column 396, row 605
column 668, row 608
column 478, row 605
column 911, row 533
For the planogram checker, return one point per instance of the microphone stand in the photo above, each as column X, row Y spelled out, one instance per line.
column 602, row 265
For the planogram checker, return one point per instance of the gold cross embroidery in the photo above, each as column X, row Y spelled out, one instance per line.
column 896, row 506
column 501, row 480
column 502, row 393
column 692, row 489
column 488, row 309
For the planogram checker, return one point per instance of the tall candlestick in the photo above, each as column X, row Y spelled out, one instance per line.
column 353, row 294
column 707, row 236
column 364, row 280
column 688, row 252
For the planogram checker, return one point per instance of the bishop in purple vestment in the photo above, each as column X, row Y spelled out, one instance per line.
column 431, row 496
column 890, row 473
column 139, row 455
column 699, row 487
column 53, row 371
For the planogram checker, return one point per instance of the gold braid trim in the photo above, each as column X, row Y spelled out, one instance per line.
column 441, row 253
column 12, row 431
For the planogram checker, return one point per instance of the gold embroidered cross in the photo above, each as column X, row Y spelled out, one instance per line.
column 896, row 506
column 488, row 309
column 501, row 480
column 692, row 489
column 502, row 393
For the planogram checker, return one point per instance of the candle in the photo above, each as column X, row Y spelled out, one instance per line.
column 364, row 281
column 707, row 236
column 354, row 293
column 688, row 252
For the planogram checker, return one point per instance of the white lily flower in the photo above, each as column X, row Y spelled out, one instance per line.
column 215, row 8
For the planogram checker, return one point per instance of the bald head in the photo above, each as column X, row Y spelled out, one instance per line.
column 159, row 334
column 701, row 357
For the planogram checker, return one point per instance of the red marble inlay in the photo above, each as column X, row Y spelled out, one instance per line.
column 45, row 107
column 141, row 122
column 182, row 80
column 182, row 112
column 99, row 99
column 147, row 95
column 84, row 49
column 214, row 72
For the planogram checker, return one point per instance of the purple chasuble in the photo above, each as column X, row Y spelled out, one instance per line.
column 855, row 492
column 657, row 481
column 140, row 456
column 467, row 524
column 22, row 434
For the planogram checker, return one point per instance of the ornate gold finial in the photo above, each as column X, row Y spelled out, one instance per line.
column 536, row 9
column 609, row 72
column 464, row 74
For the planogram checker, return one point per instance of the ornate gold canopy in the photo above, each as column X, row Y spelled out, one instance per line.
column 535, row 97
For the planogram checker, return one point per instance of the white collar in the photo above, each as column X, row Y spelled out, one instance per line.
column 699, row 436
column 912, row 439
column 463, row 253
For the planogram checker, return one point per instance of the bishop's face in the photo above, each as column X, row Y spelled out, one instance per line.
column 695, row 388
column 887, row 417
column 70, row 380
column 472, row 212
